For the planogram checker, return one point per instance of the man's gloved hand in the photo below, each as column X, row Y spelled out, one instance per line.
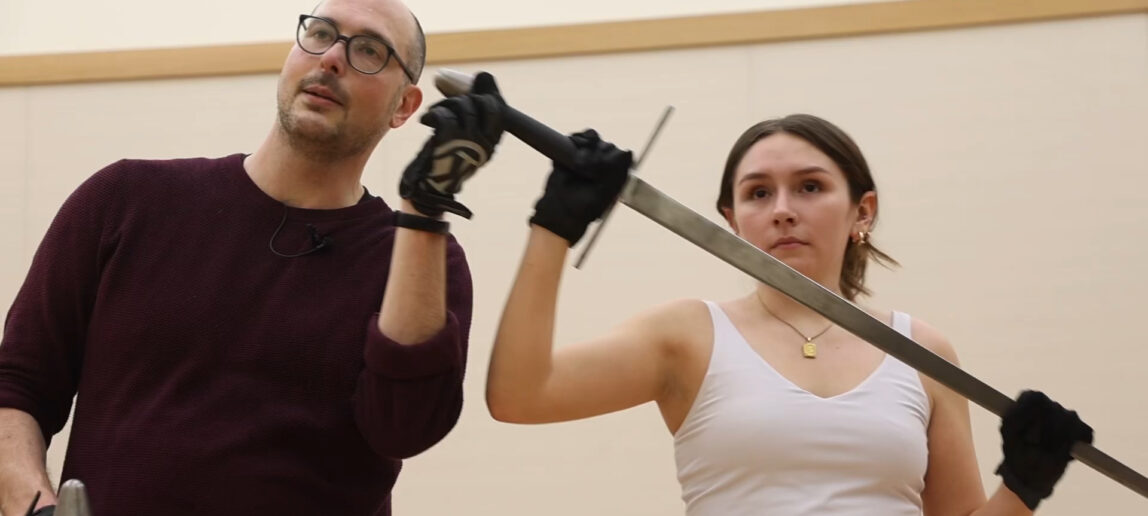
column 1037, row 437
column 579, row 195
column 466, row 130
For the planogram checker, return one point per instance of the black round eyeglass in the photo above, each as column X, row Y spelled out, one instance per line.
column 366, row 54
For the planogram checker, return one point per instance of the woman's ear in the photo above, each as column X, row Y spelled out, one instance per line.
column 728, row 213
column 866, row 212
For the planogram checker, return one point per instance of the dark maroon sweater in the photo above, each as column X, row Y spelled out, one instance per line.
column 213, row 376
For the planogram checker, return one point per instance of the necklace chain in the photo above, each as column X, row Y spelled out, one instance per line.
column 794, row 328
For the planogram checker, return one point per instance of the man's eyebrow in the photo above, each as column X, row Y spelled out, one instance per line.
column 372, row 33
column 365, row 32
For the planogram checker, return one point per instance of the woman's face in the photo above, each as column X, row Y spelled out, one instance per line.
column 793, row 202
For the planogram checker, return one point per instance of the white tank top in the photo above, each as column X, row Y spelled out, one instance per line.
column 754, row 443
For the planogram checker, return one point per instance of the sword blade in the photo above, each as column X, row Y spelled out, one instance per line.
column 704, row 233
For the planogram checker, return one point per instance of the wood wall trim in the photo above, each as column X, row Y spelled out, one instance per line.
column 568, row 40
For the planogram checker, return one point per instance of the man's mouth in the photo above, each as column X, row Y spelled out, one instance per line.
column 323, row 93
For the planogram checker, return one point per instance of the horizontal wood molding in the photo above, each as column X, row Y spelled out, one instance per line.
column 567, row 40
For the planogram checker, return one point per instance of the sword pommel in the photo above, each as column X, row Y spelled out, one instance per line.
column 73, row 500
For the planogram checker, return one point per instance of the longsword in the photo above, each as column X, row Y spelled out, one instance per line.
column 704, row 233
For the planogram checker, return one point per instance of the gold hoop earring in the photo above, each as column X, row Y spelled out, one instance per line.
column 862, row 238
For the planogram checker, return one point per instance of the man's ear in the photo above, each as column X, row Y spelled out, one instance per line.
column 409, row 104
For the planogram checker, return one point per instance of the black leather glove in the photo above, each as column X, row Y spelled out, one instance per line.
column 577, row 196
column 1037, row 437
column 466, row 130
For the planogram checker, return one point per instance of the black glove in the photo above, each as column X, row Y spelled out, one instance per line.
column 577, row 196
column 466, row 130
column 1038, row 435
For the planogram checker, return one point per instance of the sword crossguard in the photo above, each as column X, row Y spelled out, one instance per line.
column 633, row 170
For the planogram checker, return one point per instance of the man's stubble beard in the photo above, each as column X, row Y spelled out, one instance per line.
column 329, row 143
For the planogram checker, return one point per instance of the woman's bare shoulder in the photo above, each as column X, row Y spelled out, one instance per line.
column 680, row 322
column 674, row 316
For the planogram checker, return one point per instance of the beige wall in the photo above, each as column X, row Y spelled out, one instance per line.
column 1013, row 190
column 38, row 26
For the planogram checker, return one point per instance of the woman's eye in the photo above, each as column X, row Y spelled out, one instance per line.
column 759, row 193
column 810, row 187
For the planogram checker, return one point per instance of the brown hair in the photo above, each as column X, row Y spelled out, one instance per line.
column 832, row 141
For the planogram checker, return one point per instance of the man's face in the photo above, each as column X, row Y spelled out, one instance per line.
column 327, row 108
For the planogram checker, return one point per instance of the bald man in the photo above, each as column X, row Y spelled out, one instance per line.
column 256, row 333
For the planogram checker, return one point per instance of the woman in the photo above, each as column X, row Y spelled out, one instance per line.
column 773, row 409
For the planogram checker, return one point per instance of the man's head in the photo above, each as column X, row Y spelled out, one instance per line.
column 328, row 109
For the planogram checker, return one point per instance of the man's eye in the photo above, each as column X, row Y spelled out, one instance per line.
column 320, row 34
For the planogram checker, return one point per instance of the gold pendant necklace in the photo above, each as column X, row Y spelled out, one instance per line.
column 809, row 349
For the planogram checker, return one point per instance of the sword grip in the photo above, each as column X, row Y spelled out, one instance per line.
column 541, row 137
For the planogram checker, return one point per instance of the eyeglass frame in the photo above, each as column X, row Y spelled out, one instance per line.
column 339, row 36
